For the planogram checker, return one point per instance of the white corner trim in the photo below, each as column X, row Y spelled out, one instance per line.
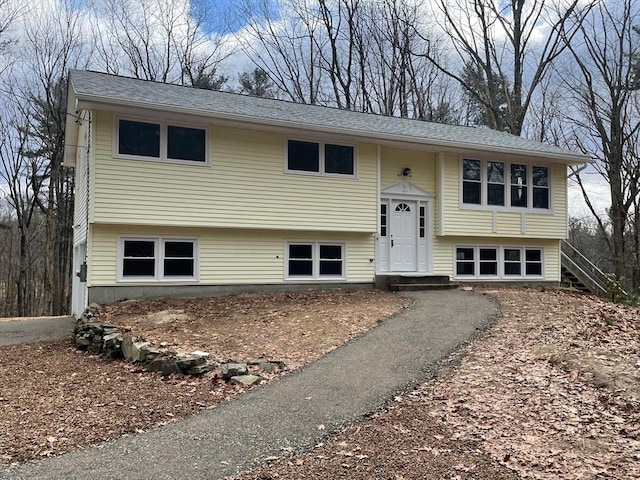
column 494, row 222
column 441, row 226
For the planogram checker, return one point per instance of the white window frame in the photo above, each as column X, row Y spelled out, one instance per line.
column 321, row 166
column 315, row 258
column 484, row 205
column 164, row 124
column 500, row 259
column 158, row 249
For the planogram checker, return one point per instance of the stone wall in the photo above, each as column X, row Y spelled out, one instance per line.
column 107, row 339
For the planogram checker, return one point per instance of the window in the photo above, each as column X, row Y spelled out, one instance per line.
column 518, row 185
column 139, row 139
column 139, row 258
column 423, row 221
column 383, row 219
column 512, row 261
column 497, row 184
column 184, row 143
column 320, row 158
column 498, row 262
column 471, row 182
column 154, row 259
column 465, row 264
column 488, row 261
column 533, row 261
column 315, row 260
column 540, row 187
column 161, row 141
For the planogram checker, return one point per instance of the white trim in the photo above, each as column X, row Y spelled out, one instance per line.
column 523, row 223
column 501, row 275
column 158, row 241
column 321, row 156
column 494, row 221
column 406, row 191
column 163, row 124
column 315, row 259
column 441, row 189
column 483, row 206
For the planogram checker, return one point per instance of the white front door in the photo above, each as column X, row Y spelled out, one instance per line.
column 403, row 236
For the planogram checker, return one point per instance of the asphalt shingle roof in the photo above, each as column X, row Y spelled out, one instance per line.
column 106, row 88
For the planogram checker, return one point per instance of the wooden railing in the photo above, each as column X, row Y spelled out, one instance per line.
column 585, row 271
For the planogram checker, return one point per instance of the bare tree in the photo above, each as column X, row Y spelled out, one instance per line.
column 606, row 118
column 503, row 58
column 352, row 54
column 160, row 40
column 23, row 178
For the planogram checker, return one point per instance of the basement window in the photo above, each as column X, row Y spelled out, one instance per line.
column 486, row 263
column 315, row 261
column 157, row 259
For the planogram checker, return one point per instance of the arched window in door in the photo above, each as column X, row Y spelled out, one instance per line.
column 403, row 207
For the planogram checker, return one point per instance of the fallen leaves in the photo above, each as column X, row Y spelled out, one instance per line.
column 551, row 392
column 50, row 384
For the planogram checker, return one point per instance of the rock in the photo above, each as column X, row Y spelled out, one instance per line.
column 93, row 307
column 199, row 369
column 270, row 367
column 112, row 344
column 185, row 362
column 233, row 369
column 200, row 353
column 256, row 361
column 83, row 342
column 234, row 360
column 131, row 348
column 246, row 380
column 169, row 368
column 149, row 353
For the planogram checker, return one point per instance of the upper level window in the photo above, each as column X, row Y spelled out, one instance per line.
column 320, row 158
column 540, row 187
column 471, row 182
column 161, row 141
column 498, row 184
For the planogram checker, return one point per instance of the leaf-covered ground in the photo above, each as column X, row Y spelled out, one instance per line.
column 54, row 398
column 551, row 392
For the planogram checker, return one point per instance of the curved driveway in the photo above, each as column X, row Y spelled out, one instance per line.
column 340, row 388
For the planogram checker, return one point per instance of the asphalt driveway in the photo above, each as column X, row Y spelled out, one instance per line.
column 27, row 330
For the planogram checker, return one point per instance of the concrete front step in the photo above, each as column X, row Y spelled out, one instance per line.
column 385, row 282
column 412, row 287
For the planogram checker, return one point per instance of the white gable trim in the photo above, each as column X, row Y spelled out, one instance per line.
column 404, row 190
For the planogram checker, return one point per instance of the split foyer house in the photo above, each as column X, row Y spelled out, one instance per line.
column 182, row 191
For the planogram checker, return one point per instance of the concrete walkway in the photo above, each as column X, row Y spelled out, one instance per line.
column 26, row 330
column 340, row 388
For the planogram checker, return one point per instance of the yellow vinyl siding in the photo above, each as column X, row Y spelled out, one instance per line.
column 80, row 204
column 480, row 222
column 422, row 165
column 245, row 186
column 229, row 256
column 444, row 256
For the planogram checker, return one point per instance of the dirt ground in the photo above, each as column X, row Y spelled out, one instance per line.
column 551, row 392
column 54, row 398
